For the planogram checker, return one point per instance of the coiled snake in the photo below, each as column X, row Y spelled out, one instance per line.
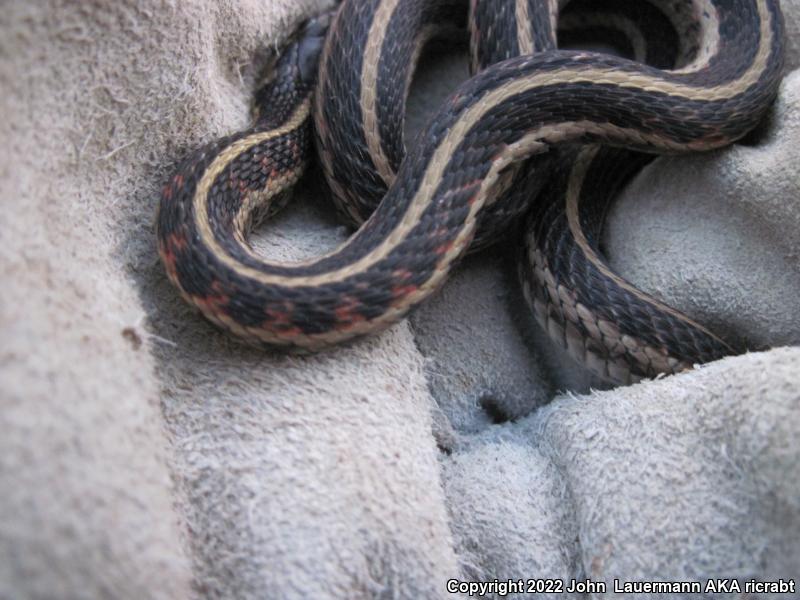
column 520, row 133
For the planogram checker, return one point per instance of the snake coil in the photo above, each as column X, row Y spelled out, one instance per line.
column 525, row 134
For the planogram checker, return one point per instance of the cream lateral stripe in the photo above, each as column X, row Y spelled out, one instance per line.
column 441, row 157
column 423, row 37
column 674, row 89
column 257, row 199
column 473, row 38
column 526, row 145
column 524, row 35
column 322, row 130
column 707, row 17
column 200, row 200
column 369, row 85
column 576, row 179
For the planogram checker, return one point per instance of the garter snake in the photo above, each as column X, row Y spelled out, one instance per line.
column 522, row 131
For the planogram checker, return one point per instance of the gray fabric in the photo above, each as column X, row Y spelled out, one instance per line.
column 686, row 478
column 146, row 455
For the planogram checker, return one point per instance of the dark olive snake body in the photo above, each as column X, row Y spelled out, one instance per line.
column 519, row 136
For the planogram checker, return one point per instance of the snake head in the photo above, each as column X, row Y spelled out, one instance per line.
column 294, row 75
column 299, row 60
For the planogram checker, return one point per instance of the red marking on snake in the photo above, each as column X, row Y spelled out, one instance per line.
column 177, row 241
column 284, row 328
column 214, row 301
column 444, row 248
column 469, row 186
column 291, row 331
column 347, row 314
column 402, row 274
column 168, row 258
column 401, row 291
column 281, row 317
column 168, row 249
column 296, row 150
column 234, row 183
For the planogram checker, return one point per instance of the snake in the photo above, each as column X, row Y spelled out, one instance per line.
column 534, row 143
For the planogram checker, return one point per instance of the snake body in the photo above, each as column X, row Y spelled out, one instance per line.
column 522, row 132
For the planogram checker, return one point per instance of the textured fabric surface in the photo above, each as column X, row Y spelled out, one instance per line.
column 146, row 455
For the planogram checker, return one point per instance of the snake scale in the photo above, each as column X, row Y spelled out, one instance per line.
column 537, row 131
